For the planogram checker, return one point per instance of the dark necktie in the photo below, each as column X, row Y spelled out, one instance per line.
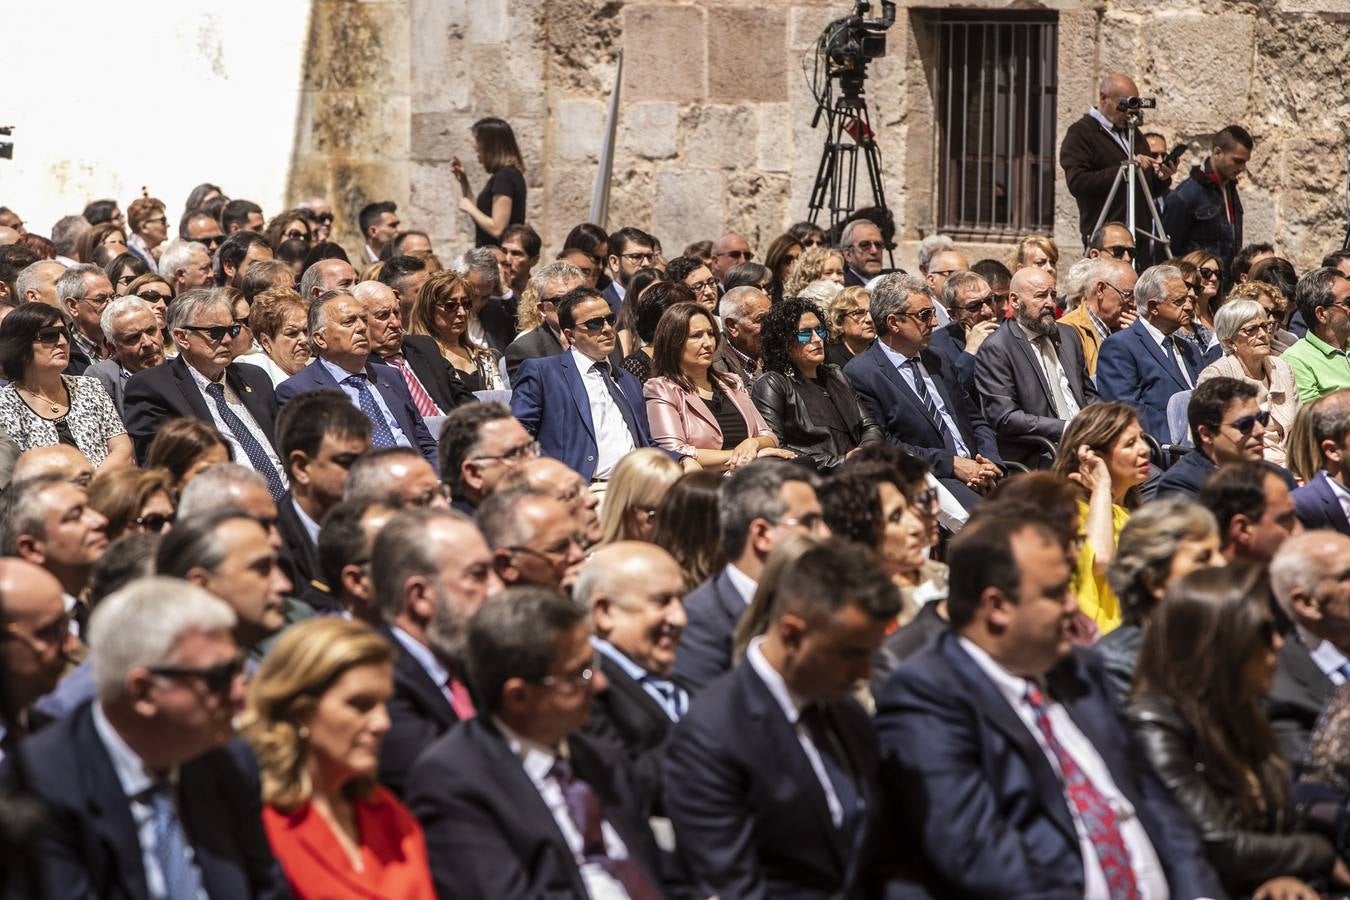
column 1097, row 816
column 838, row 765
column 930, row 406
column 257, row 456
column 619, row 399
column 583, row 807
column 380, row 435
column 1174, row 354
column 1344, row 669
column 181, row 879
column 677, row 700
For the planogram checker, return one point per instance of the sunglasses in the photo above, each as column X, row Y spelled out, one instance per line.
column 51, row 335
column 218, row 678
column 215, row 332
column 449, row 305
column 212, row 242
column 155, row 297
column 296, row 234
column 597, row 323
column 1245, row 424
column 155, row 522
column 1207, row 273
column 812, row 242
column 745, row 255
column 804, row 335
column 326, row 219
column 869, row 245
column 1120, row 252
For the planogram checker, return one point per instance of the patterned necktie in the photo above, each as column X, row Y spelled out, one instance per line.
column 172, row 851
column 421, row 399
column 380, row 435
column 583, row 807
column 676, row 699
column 257, row 456
column 1097, row 816
column 929, row 405
column 1050, row 362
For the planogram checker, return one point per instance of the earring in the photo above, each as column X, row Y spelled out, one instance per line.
column 303, row 732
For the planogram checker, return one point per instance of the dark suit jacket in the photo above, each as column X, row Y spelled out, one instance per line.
column 419, row 713
column 750, row 816
column 902, row 416
column 611, row 295
column 393, row 389
column 299, row 557
column 727, row 362
column 435, row 372
column 1091, row 159
column 1294, row 703
column 109, row 374
column 498, row 318
column 713, row 609
column 1016, row 397
column 541, row 342
column 852, row 278
column 549, row 398
column 950, row 341
column 1186, row 476
column 1317, row 506
column 1132, row 367
column 626, row 717
column 975, row 793
column 90, row 847
column 489, row 833
column 167, row 391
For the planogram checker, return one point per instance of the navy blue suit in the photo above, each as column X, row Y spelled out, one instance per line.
column 1317, row 506
column 1131, row 367
column 89, row 847
column 611, row 295
column 977, row 795
column 950, row 341
column 1186, row 476
column 713, row 610
column 393, row 390
column 549, row 399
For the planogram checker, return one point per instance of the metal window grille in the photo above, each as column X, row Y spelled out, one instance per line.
column 996, row 86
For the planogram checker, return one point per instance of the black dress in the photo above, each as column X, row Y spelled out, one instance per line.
column 507, row 181
column 729, row 419
column 638, row 364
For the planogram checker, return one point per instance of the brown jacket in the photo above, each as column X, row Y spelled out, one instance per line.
column 1081, row 322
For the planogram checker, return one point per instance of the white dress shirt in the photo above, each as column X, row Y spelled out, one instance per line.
column 439, row 674
column 1341, row 491
column 1148, row 874
column 1116, row 134
column 1175, row 355
column 267, row 364
column 906, row 371
column 613, row 440
column 311, row 527
column 1052, row 368
column 1327, row 655
column 743, row 583
column 340, row 374
column 537, row 760
column 237, row 407
column 792, row 706
column 136, row 784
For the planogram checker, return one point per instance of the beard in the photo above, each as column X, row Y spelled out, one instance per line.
column 1040, row 325
column 448, row 630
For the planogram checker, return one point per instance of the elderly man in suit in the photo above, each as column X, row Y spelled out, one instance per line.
column 202, row 382
column 1030, row 374
column 432, row 382
column 340, row 335
column 741, row 310
column 1012, row 771
column 860, row 243
column 913, row 392
column 134, row 336
column 147, row 792
column 1323, row 501
column 518, row 802
column 1107, row 305
column 1146, row 364
column 431, row 571
column 582, row 410
column 774, row 775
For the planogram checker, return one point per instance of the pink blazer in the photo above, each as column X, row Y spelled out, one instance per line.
column 682, row 423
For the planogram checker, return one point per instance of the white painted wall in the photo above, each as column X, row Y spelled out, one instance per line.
column 106, row 98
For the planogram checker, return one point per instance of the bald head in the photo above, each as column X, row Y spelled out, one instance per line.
column 374, row 291
column 728, row 251
column 8, row 235
column 56, row 459
column 1114, row 88
column 549, row 476
column 633, row 590
column 39, row 638
column 1029, row 280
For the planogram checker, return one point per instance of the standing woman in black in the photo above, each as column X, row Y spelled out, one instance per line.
column 501, row 202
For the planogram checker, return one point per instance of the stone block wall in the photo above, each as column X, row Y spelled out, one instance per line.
column 714, row 130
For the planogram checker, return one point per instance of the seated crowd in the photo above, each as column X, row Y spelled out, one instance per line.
column 618, row 576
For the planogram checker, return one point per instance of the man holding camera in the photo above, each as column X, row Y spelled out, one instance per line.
column 1093, row 149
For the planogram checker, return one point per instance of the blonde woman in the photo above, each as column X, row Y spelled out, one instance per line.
column 316, row 715
column 442, row 310
column 814, row 264
column 636, row 488
column 850, row 322
column 1037, row 251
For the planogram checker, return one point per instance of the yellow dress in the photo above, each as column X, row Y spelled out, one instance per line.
column 1095, row 597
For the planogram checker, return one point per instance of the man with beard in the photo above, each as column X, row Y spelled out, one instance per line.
column 1030, row 374
column 1146, row 364
column 240, row 250
column 431, row 570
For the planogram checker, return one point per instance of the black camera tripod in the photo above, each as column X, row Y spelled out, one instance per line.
column 1129, row 175
column 849, row 133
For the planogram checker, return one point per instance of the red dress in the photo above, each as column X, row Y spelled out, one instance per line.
column 393, row 852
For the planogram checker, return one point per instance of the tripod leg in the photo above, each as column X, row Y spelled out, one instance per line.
column 1160, row 233
column 1106, row 207
column 825, row 172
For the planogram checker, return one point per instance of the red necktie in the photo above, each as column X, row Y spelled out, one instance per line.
column 421, row 399
column 461, row 701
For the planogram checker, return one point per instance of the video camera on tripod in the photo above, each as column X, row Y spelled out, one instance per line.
column 851, row 42
column 1128, row 176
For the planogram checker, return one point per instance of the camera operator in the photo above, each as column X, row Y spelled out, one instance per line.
column 1204, row 212
column 1093, row 149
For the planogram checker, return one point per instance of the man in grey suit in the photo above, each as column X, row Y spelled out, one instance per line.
column 137, row 343
column 551, row 283
column 1030, row 375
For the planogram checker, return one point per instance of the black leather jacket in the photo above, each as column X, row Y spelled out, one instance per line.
column 778, row 399
column 1243, row 856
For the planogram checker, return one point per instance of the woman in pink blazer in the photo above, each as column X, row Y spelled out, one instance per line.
column 706, row 417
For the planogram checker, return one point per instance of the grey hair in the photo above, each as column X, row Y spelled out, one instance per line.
column 368, row 479
column 1097, row 271
column 1232, row 316
column 890, row 296
column 515, row 635
column 1296, row 566
column 141, row 625
column 735, row 301
column 402, row 551
column 194, row 542
column 24, row 512
column 846, row 236
column 553, row 273
column 313, row 277
column 753, row 492
column 958, row 282
column 184, row 308
column 1146, row 547
column 820, row 292
column 1152, row 285
column 28, row 278
column 500, row 520
column 366, row 291
column 73, row 285
column 120, row 307
column 66, row 233
column 481, row 262
column 211, row 489
column 931, row 246
column 178, row 255
column 1076, row 281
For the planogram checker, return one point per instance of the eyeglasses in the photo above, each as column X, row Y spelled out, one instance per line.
column 744, row 255
column 582, row 679
column 804, row 335
column 427, row 497
column 924, row 501
column 100, row 301
column 295, row 234
column 702, row 286
column 51, row 335
column 215, row 333
column 1195, row 287
column 923, row 315
column 1255, row 328
column 976, row 305
column 1206, row 273
column 127, row 279
column 523, row 451
column 218, row 678
column 325, row 219
column 1127, row 296
column 810, row 521
column 857, row 315
column 211, row 242
column 154, row 297
column 557, row 549
column 1120, row 252
column 598, row 323
column 1245, row 424
column 640, row 257
column 155, row 522
column 158, row 220
column 945, row 273
column 1181, row 302
column 449, row 305
column 812, row 241
column 868, row 245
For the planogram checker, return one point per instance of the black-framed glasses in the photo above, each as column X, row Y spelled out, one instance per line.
column 634, row 257
column 325, row 219
column 126, row 279
column 740, row 255
column 213, row 242
column 975, row 306
column 814, row 240
column 295, row 234
column 702, row 286
column 1252, row 329
column 804, row 335
column 51, row 336
column 556, row 549
column 582, row 679
column 812, row 521
column 154, row 297
column 1245, row 424
column 215, row 333
column 858, row 315
column 155, row 522
column 515, row 454
column 218, row 678
column 1127, row 296
column 1120, row 252
column 100, row 301
column 1207, row 273
column 449, row 305
column 945, row 273
column 868, row 245
column 598, row 323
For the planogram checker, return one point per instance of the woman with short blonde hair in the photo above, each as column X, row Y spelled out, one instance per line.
column 636, row 488
column 1037, row 251
column 814, row 264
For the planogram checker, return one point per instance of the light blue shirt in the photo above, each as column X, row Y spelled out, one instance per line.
column 439, row 674
column 340, row 375
column 311, row 527
column 1174, row 353
column 640, row 675
column 901, row 363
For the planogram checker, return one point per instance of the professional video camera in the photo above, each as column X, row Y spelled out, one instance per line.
column 6, row 147
column 849, row 43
